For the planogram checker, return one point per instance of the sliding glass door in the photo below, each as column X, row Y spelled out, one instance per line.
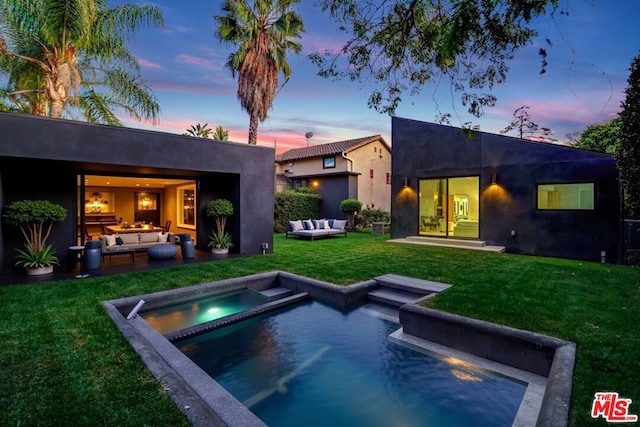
column 450, row 207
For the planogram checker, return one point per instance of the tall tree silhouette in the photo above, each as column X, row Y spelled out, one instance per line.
column 66, row 54
column 526, row 128
column 263, row 35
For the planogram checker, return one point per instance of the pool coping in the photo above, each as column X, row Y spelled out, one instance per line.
column 205, row 403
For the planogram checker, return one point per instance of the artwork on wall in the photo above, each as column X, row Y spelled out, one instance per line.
column 100, row 202
column 147, row 201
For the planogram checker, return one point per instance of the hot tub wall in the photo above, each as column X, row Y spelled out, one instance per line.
column 328, row 293
column 161, row 299
column 520, row 349
column 549, row 357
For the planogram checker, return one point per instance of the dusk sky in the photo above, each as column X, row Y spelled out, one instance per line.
column 584, row 83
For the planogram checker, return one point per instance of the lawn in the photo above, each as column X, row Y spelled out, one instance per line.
column 63, row 361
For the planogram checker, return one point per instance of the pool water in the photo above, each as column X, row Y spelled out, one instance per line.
column 180, row 316
column 313, row 365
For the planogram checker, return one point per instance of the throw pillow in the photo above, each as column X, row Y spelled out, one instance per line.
column 326, row 224
column 319, row 224
column 308, row 224
column 163, row 237
column 339, row 224
column 111, row 239
column 119, row 240
column 296, row 225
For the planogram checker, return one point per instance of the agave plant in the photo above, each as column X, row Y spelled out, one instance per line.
column 31, row 258
column 220, row 241
column 35, row 219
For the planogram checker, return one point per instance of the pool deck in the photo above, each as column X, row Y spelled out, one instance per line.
column 544, row 363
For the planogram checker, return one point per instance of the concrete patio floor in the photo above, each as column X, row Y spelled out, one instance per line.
column 110, row 266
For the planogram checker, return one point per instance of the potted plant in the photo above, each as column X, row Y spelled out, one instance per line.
column 35, row 218
column 219, row 240
column 351, row 207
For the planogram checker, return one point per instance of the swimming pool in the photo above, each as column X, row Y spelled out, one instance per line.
column 315, row 365
column 545, row 363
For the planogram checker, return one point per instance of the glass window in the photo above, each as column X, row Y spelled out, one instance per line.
column 566, row 196
column 186, row 209
column 450, row 207
column 329, row 162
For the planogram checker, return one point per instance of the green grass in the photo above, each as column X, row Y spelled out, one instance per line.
column 63, row 362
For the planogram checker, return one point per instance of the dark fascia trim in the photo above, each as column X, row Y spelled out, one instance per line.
column 321, row 175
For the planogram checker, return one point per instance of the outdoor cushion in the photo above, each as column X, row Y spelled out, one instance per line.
column 339, row 224
column 130, row 238
column 148, row 237
column 319, row 224
column 111, row 239
column 308, row 224
column 296, row 225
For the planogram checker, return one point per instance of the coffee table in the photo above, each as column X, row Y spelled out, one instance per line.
column 120, row 251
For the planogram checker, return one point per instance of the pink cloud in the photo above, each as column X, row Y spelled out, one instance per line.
column 283, row 140
column 315, row 43
column 148, row 64
column 184, row 58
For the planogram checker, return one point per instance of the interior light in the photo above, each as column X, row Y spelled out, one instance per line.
column 213, row 310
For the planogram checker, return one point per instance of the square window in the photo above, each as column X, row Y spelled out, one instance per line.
column 328, row 162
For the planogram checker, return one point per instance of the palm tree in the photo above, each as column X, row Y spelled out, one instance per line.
column 62, row 55
column 220, row 134
column 263, row 35
column 199, row 131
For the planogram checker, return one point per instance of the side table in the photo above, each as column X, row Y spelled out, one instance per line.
column 75, row 254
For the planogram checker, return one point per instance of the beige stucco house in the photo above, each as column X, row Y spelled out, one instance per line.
column 353, row 169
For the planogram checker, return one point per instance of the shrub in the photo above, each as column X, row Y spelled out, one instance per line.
column 292, row 205
column 351, row 207
column 220, row 209
column 366, row 217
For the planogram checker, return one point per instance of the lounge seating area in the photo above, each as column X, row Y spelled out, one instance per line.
column 316, row 228
column 114, row 243
column 466, row 228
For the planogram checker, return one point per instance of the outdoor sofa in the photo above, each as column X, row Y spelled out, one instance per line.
column 315, row 228
column 114, row 243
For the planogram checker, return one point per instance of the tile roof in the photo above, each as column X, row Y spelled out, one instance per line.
column 328, row 149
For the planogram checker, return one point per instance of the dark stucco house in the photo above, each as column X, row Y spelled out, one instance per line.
column 76, row 164
column 530, row 197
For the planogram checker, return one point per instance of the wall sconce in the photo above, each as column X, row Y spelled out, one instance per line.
column 494, row 179
column 405, row 183
column 315, row 184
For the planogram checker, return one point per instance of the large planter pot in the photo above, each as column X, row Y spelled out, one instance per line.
column 39, row 271
column 220, row 251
